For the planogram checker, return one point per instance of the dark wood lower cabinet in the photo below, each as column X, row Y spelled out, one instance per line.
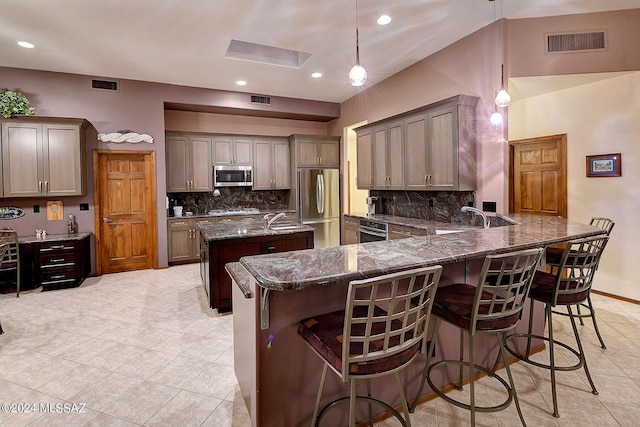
column 55, row 264
column 215, row 254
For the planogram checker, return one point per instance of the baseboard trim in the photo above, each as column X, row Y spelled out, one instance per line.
column 618, row 297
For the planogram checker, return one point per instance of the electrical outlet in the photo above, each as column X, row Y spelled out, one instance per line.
column 36, row 208
column 489, row 206
column 84, row 206
column 432, row 202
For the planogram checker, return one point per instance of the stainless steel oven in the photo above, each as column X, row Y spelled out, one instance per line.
column 372, row 231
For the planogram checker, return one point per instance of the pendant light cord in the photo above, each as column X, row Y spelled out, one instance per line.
column 357, row 38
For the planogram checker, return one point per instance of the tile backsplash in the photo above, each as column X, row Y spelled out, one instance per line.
column 198, row 203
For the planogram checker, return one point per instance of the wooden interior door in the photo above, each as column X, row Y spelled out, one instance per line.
column 538, row 175
column 125, row 212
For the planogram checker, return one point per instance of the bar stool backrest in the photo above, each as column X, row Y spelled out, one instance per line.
column 605, row 223
column 503, row 287
column 386, row 316
column 9, row 252
column 578, row 265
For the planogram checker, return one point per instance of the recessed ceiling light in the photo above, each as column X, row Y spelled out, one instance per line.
column 384, row 20
column 26, row 44
column 316, row 75
column 241, row 82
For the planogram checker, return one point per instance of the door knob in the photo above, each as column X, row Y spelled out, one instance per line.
column 105, row 219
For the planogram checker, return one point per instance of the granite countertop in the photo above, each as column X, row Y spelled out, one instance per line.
column 424, row 224
column 240, row 276
column 247, row 228
column 312, row 267
column 52, row 238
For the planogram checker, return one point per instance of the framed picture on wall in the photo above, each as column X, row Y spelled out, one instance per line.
column 604, row 165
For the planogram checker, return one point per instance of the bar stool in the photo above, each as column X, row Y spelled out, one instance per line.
column 380, row 332
column 579, row 260
column 553, row 256
column 493, row 306
column 10, row 257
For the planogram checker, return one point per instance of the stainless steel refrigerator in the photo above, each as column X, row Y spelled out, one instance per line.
column 319, row 204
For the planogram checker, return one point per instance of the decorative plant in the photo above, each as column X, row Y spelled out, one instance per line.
column 12, row 102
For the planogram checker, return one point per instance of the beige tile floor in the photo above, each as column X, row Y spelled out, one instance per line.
column 142, row 348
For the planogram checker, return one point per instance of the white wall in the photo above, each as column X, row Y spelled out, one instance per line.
column 599, row 118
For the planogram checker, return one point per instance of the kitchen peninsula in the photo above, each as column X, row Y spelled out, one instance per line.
column 277, row 372
column 225, row 242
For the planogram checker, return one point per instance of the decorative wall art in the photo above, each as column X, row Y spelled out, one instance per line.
column 125, row 135
column 8, row 212
column 603, row 165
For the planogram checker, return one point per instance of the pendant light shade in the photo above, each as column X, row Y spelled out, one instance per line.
column 357, row 74
column 496, row 118
column 503, row 99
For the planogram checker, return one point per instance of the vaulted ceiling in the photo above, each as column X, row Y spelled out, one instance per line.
column 186, row 42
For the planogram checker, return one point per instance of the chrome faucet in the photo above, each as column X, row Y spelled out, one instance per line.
column 477, row 211
column 268, row 222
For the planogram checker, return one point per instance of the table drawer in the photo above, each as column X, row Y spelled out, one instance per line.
column 59, row 259
column 58, row 276
column 50, row 247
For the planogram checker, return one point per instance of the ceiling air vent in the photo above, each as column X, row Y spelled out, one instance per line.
column 104, row 85
column 262, row 100
column 576, row 42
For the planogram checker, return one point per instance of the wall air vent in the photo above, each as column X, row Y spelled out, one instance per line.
column 262, row 100
column 576, row 42
column 104, row 85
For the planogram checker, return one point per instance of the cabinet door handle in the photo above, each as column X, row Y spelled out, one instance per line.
column 105, row 219
column 39, row 186
column 58, row 260
column 46, row 186
column 425, row 180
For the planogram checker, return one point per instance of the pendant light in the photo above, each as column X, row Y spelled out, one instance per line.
column 503, row 99
column 496, row 117
column 357, row 74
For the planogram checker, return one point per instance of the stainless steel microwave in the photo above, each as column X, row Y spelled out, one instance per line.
column 232, row 176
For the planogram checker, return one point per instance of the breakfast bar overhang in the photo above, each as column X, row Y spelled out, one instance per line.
column 277, row 373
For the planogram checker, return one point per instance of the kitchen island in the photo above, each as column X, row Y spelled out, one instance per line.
column 279, row 375
column 225, row 242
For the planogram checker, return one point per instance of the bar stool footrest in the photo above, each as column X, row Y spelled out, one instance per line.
column 466, row 406
column 345, row 399
column 526, row 357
